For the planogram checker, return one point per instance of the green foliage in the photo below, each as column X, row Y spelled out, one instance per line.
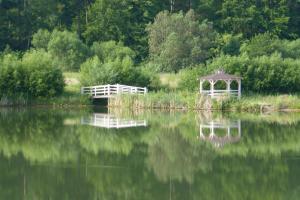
column 44, row 79
column 290, row 49
column 41, row 39
column 253, row 17
column 229, row 44
column 118, row 71
column 179, row 40
column 32, row 76
column 262, row 74
column 267, row 44
column 189, row 78
column 111, row 50
column 68, row 51
column 262, row 45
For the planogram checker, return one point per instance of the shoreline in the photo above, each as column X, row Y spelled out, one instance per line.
column 181, row 101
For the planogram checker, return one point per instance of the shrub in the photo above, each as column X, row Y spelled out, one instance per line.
column 44, row 79
column 122, row 71
column 13, row 79
column 189, row 78
column 32, row 76
column 262, row 74
column 111, row 50
column 229, row 44
column 261, row 45
column 41, row 39
column 266, row 45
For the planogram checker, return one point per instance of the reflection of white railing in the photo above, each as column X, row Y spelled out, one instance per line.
column 220, row 141
column 220, row 93
column 106, row 91
column 110, row 121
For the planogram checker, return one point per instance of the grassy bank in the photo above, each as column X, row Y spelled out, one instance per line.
column 193, row 101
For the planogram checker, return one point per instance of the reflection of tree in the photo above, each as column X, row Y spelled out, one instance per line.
column 121, row 141
column 174, row 157
column 39, row 135
column 45, row 159
column 264, row 139
column 239, row 178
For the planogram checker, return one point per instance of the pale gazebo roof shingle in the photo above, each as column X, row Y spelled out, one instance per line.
column 220, row 75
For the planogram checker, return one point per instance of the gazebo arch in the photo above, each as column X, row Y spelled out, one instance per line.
column 220, row 75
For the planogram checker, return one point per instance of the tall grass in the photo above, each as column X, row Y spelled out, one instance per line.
column 194, row 101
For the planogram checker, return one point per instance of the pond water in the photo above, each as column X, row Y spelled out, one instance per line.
column 96, row 154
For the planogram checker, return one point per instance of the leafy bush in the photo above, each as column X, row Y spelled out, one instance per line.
column 111, row 50
column 189, row 78
column 291, row 49
column 41, row 39
column 262, row 74
column 66, row 48
column 32, row 76
column 12, row 76
column 122, row 71
column 261, row 45
column 267, row 44
column 44, row 79
column 229, row 44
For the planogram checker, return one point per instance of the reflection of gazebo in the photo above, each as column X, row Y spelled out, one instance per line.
column 220, row 141
column 220, row 75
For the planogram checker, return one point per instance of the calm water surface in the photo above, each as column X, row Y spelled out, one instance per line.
column 95, row 154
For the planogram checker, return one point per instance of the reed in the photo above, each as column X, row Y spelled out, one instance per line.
column 194, row 101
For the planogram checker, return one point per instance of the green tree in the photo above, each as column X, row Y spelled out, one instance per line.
column 251, row 17
column 262, row 44
column 40, row 39
column 111, row 50
column 68, row 51
column 179, row 40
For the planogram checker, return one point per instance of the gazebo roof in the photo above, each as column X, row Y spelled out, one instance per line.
column 220, row 75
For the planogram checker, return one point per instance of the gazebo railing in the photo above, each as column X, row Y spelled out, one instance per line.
column 220, row 93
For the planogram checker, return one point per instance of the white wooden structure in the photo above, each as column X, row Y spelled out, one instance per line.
column 221, row 76
column 108, row 91
column 220, row 141
column 110, row 121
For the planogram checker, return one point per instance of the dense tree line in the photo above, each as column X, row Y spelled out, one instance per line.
column 128, row 41
column 125, row 20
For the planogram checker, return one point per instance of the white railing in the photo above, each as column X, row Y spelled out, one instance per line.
column 104, row 91
column 110, row 121
column 220, row 93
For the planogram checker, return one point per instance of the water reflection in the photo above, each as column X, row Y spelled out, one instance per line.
column 111, row 121
column 220, row 131
column 44, row 150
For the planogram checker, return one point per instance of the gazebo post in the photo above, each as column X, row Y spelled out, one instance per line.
column 239, row 89
column 212, row 88
column 228, row 83
column 201, row 86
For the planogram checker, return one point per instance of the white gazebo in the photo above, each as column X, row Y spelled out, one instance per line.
column 220, row 75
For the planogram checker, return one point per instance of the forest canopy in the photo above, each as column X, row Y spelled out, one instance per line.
column 111, row 39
